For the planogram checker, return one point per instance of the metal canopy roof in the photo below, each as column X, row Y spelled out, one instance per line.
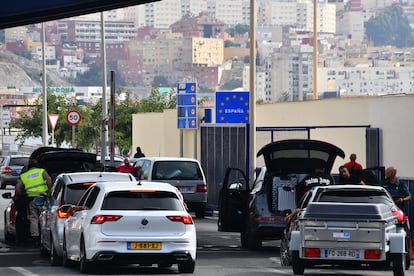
column 24, row 12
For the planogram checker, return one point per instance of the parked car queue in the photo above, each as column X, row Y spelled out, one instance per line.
column 166, row 234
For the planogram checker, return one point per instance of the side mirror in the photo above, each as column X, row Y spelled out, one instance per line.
column 7, row 195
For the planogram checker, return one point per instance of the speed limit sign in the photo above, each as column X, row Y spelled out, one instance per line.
column 73, row 117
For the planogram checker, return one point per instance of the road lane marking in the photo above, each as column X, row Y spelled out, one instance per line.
column 23, row 271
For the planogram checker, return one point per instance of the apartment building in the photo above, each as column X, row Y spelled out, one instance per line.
column 86, row 34
column 367, row 80
column 298, row 14
column 288, row 74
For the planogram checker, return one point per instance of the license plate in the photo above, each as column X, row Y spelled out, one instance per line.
column 184, row 189
column 144, row 246
column 342, row 253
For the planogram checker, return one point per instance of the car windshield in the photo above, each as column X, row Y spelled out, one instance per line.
column 19, row 161
column 145, row 200
column 178, row 170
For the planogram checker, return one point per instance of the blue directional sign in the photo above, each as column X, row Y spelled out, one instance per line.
column 187, row 106
column 232, row 107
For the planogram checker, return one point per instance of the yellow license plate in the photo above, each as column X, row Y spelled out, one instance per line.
column 144, row 246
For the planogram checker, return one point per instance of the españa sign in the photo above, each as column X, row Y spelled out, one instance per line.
column 232, row 107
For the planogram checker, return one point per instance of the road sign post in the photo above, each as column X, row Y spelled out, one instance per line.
column 53, row 118
column 73, row 117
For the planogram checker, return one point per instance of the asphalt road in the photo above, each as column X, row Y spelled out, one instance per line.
column 218, row 254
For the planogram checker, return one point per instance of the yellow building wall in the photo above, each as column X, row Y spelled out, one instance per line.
column 339, row 121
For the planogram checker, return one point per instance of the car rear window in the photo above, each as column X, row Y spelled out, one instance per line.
column 355, row 197
column 19, row 161
column 176, row 170
column 74, row 192
column 148, row 200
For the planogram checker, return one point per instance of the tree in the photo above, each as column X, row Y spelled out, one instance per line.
column 30, row 120
column 157, row 101
column 391, row 27
column 123, row 122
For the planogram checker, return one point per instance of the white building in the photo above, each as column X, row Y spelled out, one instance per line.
column 298, row 14
column 368, row 81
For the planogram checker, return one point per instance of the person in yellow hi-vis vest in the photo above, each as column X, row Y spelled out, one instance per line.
column 36, row 182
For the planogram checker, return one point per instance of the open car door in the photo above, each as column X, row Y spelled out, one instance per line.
column 233, row 201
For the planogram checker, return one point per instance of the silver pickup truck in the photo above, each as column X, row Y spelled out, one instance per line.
column 351, row 233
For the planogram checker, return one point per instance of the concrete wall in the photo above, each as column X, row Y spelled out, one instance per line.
column 157, row 133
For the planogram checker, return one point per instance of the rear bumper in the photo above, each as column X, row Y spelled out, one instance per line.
column 143, row 258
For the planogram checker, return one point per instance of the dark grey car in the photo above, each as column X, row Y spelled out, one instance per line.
column 11, row 167
column 258, row 213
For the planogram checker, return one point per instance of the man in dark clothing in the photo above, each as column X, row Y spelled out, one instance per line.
column 345, row 177
column 396, row 188
column 139, row 153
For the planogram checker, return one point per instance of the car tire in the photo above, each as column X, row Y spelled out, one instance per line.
column 7, row 236
column 243, row 239
column 200, row 213
column 298, row 265
column 43, row 249
column 65, row 259
column 85, row 266
column 253, row 241
column 285, row 256
column 2, row 185
column 55, row 259
column 186, row 267
column 398, row 264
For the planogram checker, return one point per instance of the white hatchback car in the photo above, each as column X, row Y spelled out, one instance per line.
column 141, row 223
column 67, row 189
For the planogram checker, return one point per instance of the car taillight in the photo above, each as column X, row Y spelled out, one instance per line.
column 100, row 219
column 399, row 214
column 61, row 214
column 7, row 170
column 183, row 219
column 312, row 252
column 201, row 188
column 372, row 254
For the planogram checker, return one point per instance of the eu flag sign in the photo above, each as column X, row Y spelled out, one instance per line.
column 187, row 106
column 232, row 107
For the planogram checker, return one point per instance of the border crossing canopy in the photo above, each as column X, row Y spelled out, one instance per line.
column 23, row 12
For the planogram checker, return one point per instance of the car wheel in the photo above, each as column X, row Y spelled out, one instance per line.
column 7, row 236
column 253, row 241
column 243, row 239
column 43, row 250
column 55, row 259
column 398, row 264
column 298, row 265
column 2, row 185
column 200, row 213
column 285, row 257
column 186, row 267
column 84, row 265
column 65, row 259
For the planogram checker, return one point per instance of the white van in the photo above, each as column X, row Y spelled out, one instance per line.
column 184, row 173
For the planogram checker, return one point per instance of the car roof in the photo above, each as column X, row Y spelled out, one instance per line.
column 299, row 155
column 351, row 187
column 138, row 185
column 78, row 177
column 167, row 158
